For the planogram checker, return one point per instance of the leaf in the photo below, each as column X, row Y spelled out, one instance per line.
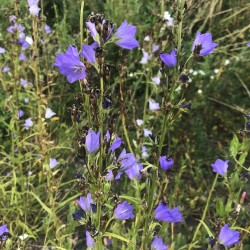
column 207, row 229
column 130, row 198
column 228, row 207
column 26, row 228
column 243, row 157
column 107, row 234
column 234, row 146
column 48, row 210
column 219, row 207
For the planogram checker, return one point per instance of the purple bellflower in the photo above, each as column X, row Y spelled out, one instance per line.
column 203, row 44
column 6, row 69
column 145, row 58
column 85, row 203
column 88, row 53
column 124, row 211
column 158, row 244
column 70, row 65
column 124, row 36
column 20, row 113
column 147, row 132
column 165, row 163
column 248, row 44
column 2, row 50
column 28, row 124
column 33, row 7
column 49, row 113
column 47, row 29
column 228, row 237
column 163, row 213
column 12, row 18
column 153, row 105
column 220, row 166
column 3, row 230
column 134, row 171
column 93, row 31
column 89, row 240
column 169, row 59
column 92, row 141
column 139, row 122
column 22, row 57
column 116, row 144
column 53, row 162
column 16, row 28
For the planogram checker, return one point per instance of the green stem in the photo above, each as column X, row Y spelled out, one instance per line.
column 126, row 133
column 145, row 102
column 81, row 23
column 204, row 213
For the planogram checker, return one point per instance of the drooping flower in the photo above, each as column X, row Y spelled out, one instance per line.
column 2, row 50
column 93, row 32
column 85, row 202
column 228, row 237
column 28, row 124
column 89, row 240
column 116, row 144
column 70, row 65
column 147, row 132
column 6, row 69
column 163, row 213
column 139, row 122
column 166, row 163
column 153, row 105
column 88, row 52
column 20, row 113
column 3, row 230
column 158, row 244
column 124, row 211
column 124, row 36
column 220, row 166
column 47, row 29
column 248, row 44
column 134, row 171
column 92, row 142
column 127, row 160
column 203, row 44
column 145, row 58
column 49, row 113
column 53, row 162
column 22, row 57
column 169, row 59
column 12, row 18
column 33, row 7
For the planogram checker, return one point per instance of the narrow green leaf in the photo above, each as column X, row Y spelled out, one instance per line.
column 107, row 234
column 207, row 229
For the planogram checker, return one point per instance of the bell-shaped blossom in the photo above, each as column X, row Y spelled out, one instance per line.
column 110, row 175
column 163, row 213
column 124, row 36
column 116, row 144
column 12, row 18
column 203, row 44
column 153, row 105
column 89, row 240
column 169, row 59
column 92, row 141
column 147, row 132
column 220, row 166
column 107, row 136
column 134, row 171
column 158, row 244
column 47, row 29
column 33, row 7
column 2, row 50
column 166, row 163
column 127, row 160
column 93, row 31
column 248, row 44
column 144, row 152
column 3, row 230
column 28, row 124
column 6, row 69
column 16, row 28
column 124, row 211
column 88, row 52
column 85, row 202
column 49, row 113
column 155, row 47
column 145, row 58
column 22, row 57
column 20, row 113
column 156, row 79
column 53, row 162
column 139, row 122
column 70, row 65
column 228, row 237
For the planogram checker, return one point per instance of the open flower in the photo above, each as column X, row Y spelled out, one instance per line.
column 163, row 213
column 53, row 162
column 85, row 203
column 153, row 105
column 228, row 237
column 158, row 244
column 49, row 113
column 28, row 124
column 92, row 141
column 33, row 7
column 89, row 240
column 124, row 36
column 116, row 144
column 203, row 44
column 3, row 230
column 165, row 163
column 88, row 52
column 124, row 211
column 70, row 65
column 220, row 166
column 169, row 59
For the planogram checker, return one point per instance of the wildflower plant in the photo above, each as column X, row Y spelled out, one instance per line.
column 96, row 158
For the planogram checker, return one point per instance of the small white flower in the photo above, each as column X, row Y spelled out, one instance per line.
column 23, row 236
column 216, row 71
column 147, row 38
column 199, row 91
column 227, row 62
column 139, row 122
column 49, row 113
column 29, row 40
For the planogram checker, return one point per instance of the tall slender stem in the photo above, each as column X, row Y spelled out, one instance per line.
column 81, row 23
column 204, row 213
